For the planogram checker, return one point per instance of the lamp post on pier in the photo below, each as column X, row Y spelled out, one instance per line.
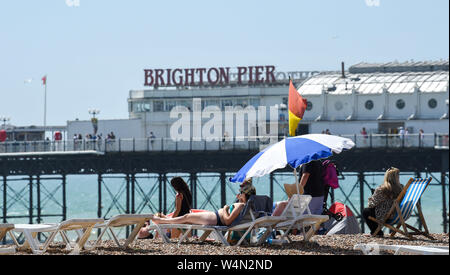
column 4, row 119
column 94, row 120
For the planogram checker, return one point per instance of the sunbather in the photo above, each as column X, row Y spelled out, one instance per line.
column 183, row 205
column 222, row 217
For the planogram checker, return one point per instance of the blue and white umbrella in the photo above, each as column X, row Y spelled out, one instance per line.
column 293, row 151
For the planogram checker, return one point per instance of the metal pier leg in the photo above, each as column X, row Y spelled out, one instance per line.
column 164, row 183
column 64, row 202
column 444, row 168
column 160, row 192
column 271, row 185
column 127, row 202
column 193, row 179
column 31, row 201
column 99, row 210
column 4, row 202
column 361, row 198
column 133, row 182
column 444, row 202
column 4, row 198
column 223, row 190
column 38, row 192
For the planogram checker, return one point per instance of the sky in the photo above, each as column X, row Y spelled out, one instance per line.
column 94, row 52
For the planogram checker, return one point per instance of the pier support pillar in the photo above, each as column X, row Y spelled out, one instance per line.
column 4, row 198
column 223, row 185
column 361, row 198
column 193, row 180
column 271, row 186
column 64, row 199
column 30, row 210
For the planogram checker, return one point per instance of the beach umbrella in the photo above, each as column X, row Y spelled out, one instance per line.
column 294, row 151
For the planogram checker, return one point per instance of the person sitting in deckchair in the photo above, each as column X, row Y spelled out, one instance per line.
column 382, row 199
column 221, row 217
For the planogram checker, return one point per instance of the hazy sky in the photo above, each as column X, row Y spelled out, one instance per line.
column 94, row 52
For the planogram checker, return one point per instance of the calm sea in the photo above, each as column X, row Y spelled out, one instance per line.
column 82, row 195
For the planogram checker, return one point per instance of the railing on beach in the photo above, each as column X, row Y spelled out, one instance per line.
column 436, row 140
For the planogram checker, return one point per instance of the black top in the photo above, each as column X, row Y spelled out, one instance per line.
column 185, row 206
column 314, row 185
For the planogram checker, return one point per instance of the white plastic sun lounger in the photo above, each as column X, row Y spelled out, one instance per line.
column 295, row 218
column 4, row 229
column 374, row 249
column 123, row 220
column 268, row 222
column 247, row 221
column 30, row 232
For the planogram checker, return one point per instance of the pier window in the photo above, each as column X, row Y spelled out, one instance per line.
column 432, row 103
column 255, row 102
column 210, row 102
column 185, row 103
column 400, row 104
column 243, row 102
column 226, row 102
column 169, row 105
column 309, row 105
column 369, row 105
column 158, row 106
column 338, row 105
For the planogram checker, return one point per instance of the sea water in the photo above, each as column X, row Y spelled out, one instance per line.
column 82, row 198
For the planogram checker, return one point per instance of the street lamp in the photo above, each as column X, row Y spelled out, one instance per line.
column 4, row 119
column 94, row 120
column 94, row 112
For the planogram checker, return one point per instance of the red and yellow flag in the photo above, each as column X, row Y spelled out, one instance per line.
column 297, row 107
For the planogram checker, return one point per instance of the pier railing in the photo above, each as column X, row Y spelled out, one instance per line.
column 436, row 140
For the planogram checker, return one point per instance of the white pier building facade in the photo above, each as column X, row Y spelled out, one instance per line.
column 379, row 97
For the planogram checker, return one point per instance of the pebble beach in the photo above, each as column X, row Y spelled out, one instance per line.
column 319, row 245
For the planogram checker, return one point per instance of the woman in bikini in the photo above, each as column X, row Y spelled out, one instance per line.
column 221, row 217
column 183, row 205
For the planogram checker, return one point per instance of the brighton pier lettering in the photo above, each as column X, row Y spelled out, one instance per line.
column 211, row 76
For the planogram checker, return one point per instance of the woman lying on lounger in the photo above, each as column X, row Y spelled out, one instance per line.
column 222, row 217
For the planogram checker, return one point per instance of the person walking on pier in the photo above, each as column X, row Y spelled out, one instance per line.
column 382, row 199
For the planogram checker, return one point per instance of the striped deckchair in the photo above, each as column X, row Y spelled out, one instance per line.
column 402, row 209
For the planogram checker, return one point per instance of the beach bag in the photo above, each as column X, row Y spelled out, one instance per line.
column 329, row 174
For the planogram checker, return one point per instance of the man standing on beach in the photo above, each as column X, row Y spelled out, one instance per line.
column 311, row 181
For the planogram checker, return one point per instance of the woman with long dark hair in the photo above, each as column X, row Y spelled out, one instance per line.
column 183, row 206
column 183, row 198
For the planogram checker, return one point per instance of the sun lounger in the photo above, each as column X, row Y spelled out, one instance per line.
column 251, row 218
column 402, row 209
column 30, row 232
column 4, row 229
column 295, row 216
column 123, row 220
column 373, row 249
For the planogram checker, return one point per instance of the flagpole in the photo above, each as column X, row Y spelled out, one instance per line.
column 45, row 105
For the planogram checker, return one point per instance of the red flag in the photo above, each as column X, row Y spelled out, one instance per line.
column 44, row 80
column 297, row 107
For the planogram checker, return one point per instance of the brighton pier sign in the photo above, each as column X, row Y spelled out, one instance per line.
column 249, row 75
